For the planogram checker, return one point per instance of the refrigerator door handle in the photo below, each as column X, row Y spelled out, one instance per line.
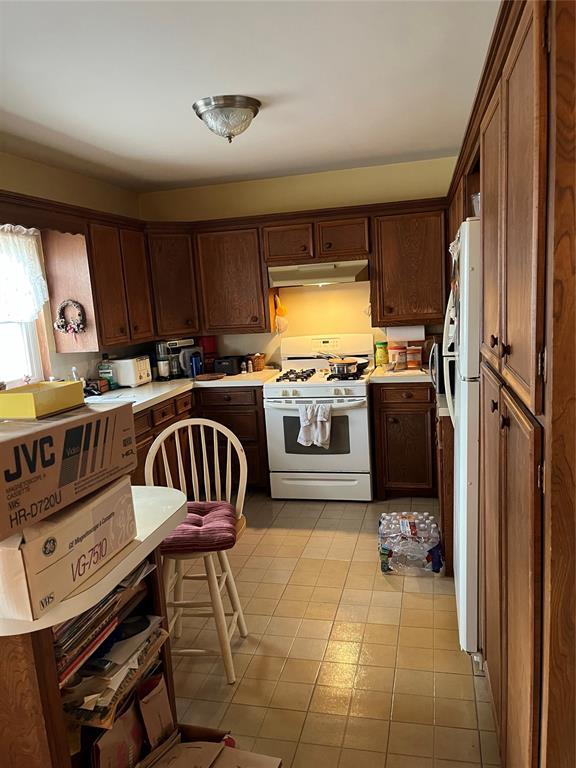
column 433, row 364
column 449, row 321
column 448, row 389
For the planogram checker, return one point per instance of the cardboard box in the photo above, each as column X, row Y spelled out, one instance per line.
column 46, row 562
column 47, row 465
column 204, row 754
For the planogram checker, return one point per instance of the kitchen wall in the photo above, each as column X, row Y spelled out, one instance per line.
column 354, row 186
column 29, row 177
column 310, row 310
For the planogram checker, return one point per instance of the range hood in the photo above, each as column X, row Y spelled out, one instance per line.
column 320, row 273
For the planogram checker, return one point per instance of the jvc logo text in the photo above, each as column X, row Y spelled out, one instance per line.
column 39, row 455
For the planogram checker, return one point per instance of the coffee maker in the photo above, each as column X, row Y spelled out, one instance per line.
column 172, row 358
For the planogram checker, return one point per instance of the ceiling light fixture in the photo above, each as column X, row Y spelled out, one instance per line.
column 227, row 116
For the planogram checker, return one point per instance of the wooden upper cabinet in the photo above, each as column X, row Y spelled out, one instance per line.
column 233, row 288
column 491, row 201
column 174, row 284
column 407, row 271
column 137, row 281
column 108, row 276
column 456, row 211
column 342, row 239
column 521, row 445
column 524, row 85
column 288, row 243
column 491, row 535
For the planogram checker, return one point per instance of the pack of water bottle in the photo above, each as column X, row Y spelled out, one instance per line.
column 409, row 543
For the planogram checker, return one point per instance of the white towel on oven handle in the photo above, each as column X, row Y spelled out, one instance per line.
column 323, row 425
column 307, row 415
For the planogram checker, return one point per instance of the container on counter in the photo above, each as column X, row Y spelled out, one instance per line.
column 414, row 357
column 397, row 355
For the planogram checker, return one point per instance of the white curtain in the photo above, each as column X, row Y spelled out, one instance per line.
column 23, row 289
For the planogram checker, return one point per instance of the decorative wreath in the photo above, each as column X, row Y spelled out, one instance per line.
column 65, row 324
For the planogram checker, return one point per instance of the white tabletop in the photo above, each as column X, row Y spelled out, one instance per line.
column 158, row 511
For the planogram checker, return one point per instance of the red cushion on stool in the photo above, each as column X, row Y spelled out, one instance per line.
column 210, row 526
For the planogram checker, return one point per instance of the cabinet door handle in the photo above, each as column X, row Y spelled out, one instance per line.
column 493, row 341
column 135, row 327
column 504, row 422
column 122, row 329
column 407, row 395
column 505, row 350
column 254, row 318
column 188, row 322
column 304, row 248
column 392, row 420
column 493, row 406
column 328, row 246
column 388, row 309
column 227, row 398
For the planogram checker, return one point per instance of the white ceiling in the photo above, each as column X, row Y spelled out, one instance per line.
column 107, row 87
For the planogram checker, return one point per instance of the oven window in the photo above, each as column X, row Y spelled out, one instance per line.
column 339, row 437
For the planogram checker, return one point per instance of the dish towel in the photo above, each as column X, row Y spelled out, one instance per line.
column 307, row 415
column 323, row 425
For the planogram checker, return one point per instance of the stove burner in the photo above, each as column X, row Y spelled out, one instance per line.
column 294, row 375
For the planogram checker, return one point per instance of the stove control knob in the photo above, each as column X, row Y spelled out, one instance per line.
column 295, row 393
column 285, row 393
column 336, row 391
column 347, row 391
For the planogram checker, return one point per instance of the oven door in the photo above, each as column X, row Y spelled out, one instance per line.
column 348, row 451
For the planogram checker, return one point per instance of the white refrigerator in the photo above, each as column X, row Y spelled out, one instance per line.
column 461, row 352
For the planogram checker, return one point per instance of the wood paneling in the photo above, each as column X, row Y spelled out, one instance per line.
column 108, row 280
column 522, row 545
column 137, row 281
column 174, row 283
column 491, row 200
column 524, row 107
column 68, row 277
column 559, row 636
column 342, row 239
column 286, row 243
column 445, row 483
column 491, row 535
column 232, row 282
column 407, row 274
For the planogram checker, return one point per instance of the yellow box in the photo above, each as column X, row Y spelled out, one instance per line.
column 44, row 398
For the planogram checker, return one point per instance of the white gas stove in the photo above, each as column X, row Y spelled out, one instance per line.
column 339, row 470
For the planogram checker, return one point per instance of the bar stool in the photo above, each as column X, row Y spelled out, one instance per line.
column 214, row 522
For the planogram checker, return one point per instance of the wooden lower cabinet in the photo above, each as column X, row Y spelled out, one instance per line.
column 403, row 422
column 241, row 409
column 511, row 531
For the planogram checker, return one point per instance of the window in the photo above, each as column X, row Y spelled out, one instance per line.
column 23, row 293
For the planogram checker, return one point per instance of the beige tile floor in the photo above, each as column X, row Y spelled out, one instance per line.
column 344, row 667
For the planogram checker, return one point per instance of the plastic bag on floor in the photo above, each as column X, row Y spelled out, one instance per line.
column 409, row 543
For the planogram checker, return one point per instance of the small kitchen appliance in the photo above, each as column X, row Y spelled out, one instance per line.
column 230, row 365
column 172, row 355
column 133, row 371
column 341, row 471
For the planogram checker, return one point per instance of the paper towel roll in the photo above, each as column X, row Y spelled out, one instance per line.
column 406, row 333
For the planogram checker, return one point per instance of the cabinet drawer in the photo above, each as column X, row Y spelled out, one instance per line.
column 163, row 412
column 212, row 397
column 184, row 403
column 390, row 393
column 142, row 422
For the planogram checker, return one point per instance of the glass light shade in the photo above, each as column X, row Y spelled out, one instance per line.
column 227, row 116
column 228, row 121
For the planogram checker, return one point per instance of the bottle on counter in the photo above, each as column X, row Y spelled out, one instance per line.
column 243, row 367
column 381, row 356
column 250, row 366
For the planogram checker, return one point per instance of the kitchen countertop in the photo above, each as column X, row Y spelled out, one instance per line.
column 156, row 392
column 145, row 396
column 409, row 376
column 255, row 379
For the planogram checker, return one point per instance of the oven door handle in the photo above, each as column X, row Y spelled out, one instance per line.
column 278, row 405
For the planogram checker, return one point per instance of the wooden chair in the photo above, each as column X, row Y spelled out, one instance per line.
column 214, row 522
